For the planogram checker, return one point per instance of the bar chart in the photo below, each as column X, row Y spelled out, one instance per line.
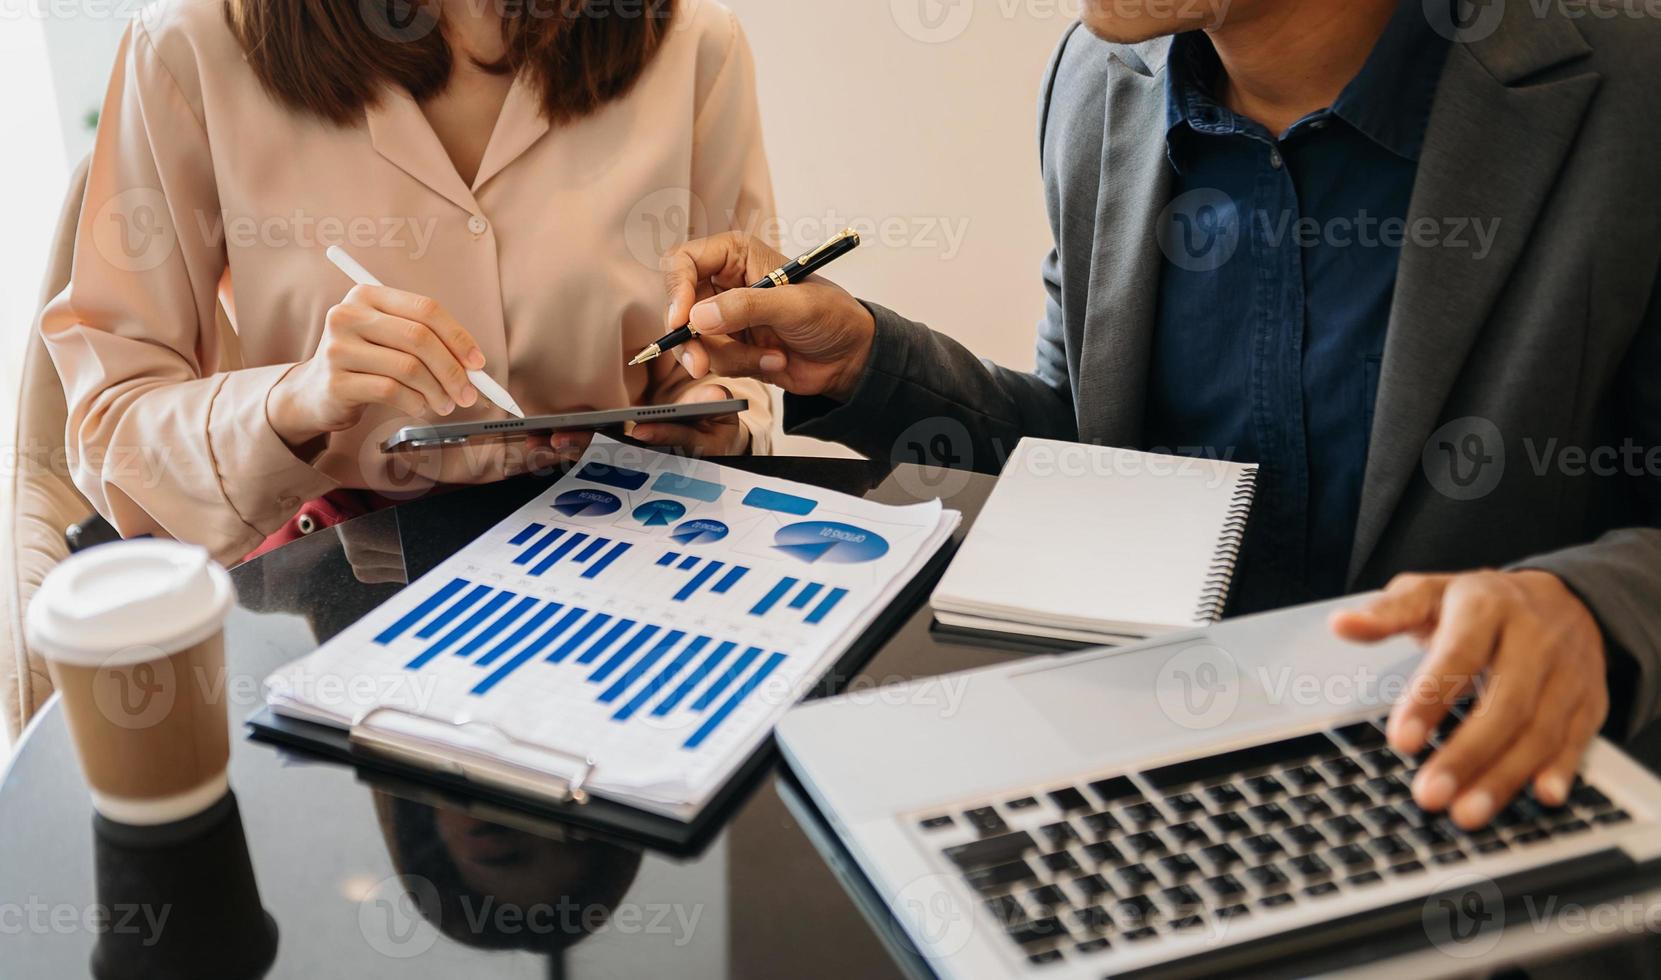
column 813, row 600
column 542, row 547
column 631, row 667
column 717, row 576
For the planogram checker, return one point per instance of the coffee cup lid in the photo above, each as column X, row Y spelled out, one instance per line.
column 129, row 601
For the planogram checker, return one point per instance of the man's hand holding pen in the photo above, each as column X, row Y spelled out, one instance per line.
column 812, row 338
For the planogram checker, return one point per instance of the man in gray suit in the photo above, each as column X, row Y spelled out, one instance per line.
column 1402, row 253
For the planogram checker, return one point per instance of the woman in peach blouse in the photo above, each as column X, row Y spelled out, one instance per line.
column 511, row 170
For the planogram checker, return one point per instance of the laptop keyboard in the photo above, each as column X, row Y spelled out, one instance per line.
column 1074, row 871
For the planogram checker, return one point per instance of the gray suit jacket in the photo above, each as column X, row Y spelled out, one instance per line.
column 1518, row 417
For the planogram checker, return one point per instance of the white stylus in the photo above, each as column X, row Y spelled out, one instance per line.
column 485, row 383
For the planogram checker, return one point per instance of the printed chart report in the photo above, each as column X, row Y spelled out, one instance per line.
column 650, row 613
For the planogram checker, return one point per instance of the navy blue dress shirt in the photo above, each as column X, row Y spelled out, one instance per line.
column 1280, row 258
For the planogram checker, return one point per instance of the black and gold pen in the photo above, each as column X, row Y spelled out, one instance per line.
column 794, row 271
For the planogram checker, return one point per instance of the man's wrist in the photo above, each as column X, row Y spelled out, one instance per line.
column 854, row 367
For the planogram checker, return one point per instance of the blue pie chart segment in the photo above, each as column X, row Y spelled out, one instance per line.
column 659, row 513
column 587, row 503
column 827, row 541
column 699, row 532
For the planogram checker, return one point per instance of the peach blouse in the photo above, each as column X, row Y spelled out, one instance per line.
column 205, row 191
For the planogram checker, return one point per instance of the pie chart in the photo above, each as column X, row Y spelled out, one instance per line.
column 699, row 532
column 827, row 541
column 659, row 513
column 587, row 503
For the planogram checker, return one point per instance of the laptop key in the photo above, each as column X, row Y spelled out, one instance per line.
column 1388, row 788
column 1270, row 814
column 1144, row 844
column 1141, row 933
column 1049, row 897
column 1000, row 876
column 1275, row 901
column 1361, row 735
column 1116, row 789
column 1007, row 909
column 1364, row 878
column 985, row 820
column 1226, row 795
column 1093, row 886
column 1097, row 945
column 1187, row 923
column 1102, row 853
column 1038, row 930
column 1351, row 857
column 1225, row 886
column 1432, row 835
column 1023, row 803
column 1069, row 800
column 1321, row 888
column 1143, row 815
column 936, row 823
column 1348, row 797
column 1390, row 846
column 1059, row 834
column 1093, row 918
column 991, row 850
column 1223, row 766
column 1574, row 826
column 1188, row 835
column 1045, row 958
column 1303, row 778
column 1136, row 878
column 1228, row 824
column 1453, row 856
column 1061, row 862
column 1233, row 912
column 1343, row 828
column 1265, row 787
column 1344, row 769
column 1382, row 761
column 1589, row 797
column 1611, row 817
column 1099, row 825
column 1309, row 867
column 1310, row 806
column 1263, row 845
column 1492, row 846
column 1179, row 867
column 1221, row 856
column 1181, row 898
column 1135, row 910
column 1184, row 805
column 1407, row 868
column 1267, row 877
column 1305, row 836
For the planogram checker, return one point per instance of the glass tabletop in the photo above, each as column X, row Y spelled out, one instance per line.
column 353, row 876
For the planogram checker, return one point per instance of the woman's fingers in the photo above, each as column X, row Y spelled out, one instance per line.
column 419, row 341
column 404, row 368
column 425, row 310
column 377, row 389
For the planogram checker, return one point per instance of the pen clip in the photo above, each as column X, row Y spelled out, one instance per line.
column 839, row 239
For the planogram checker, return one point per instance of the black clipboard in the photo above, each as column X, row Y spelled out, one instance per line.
column 599, row 814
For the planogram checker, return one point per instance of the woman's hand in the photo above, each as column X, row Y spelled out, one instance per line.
column 380, row 346
column 716, row 435
column 809, row 338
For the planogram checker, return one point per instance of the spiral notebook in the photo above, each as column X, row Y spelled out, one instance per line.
column 1090, row 544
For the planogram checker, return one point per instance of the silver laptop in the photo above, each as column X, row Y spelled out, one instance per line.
column 1219, row 802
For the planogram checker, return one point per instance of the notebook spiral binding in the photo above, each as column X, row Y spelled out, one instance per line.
column 1220, row 576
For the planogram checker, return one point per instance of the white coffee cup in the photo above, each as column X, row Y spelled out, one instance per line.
column 133, row 634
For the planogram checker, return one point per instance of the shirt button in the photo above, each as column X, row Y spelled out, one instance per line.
column 1275, row 160
column 477, row 225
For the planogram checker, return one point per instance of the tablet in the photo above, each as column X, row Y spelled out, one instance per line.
column 414, row 437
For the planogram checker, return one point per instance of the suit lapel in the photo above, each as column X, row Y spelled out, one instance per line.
column 1135, row 182
column 1493, row 149
column 400, row 132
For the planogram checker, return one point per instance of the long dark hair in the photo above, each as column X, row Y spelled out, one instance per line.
column 330, row 57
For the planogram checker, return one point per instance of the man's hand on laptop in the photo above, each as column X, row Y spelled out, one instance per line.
column 809, row 338
column 1532, row 651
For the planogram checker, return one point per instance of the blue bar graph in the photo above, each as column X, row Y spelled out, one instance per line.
column 569, row 646
column 525, row 535
column 639, row 668
column 565, row 548
column 805, row 596
column 529, row 554
column 606, row 559
column 772, row 598
column 455, row 609
column 730, row 579
column 687, row 686
column 604, row 643
column 501, row 623
column 624, row 653
column 725, row 680
column 526, row 655
column 826, row 605
column 669, row 558
column 744, row 691
column 520, row 635
column 688, row 562
column 697, row 581
column 467, row 626
column 662, row 679
column 420, row 612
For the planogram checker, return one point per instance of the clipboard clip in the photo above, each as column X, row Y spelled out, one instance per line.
column 433, row 755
